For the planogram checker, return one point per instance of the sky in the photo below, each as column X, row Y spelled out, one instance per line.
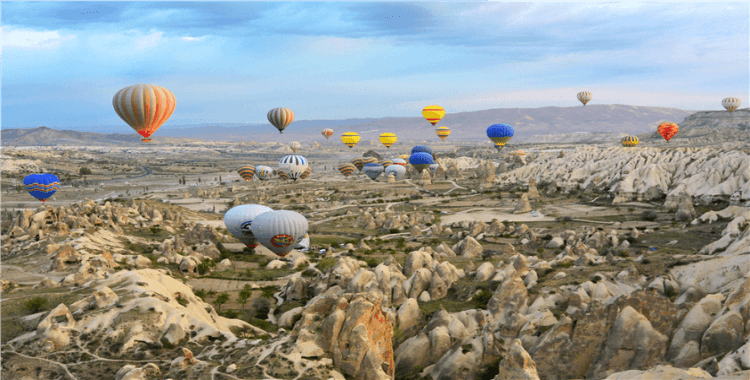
column 231, row 62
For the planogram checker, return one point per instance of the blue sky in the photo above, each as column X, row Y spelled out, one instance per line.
column 230, row 62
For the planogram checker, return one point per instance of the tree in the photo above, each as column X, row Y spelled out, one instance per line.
column 221, row 299
column 244, row 294
column 84, row 171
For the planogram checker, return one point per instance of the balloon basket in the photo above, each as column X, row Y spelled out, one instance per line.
column 146, row 140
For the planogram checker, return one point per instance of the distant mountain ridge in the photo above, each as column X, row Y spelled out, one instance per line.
column 465, row 126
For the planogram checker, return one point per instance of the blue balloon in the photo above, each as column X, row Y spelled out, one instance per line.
column 420, row 160
column 41, row 186
column 421, row 148
column 500, row 133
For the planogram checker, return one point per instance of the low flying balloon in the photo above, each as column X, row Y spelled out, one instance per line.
column 347, row 169
column 420, row 161
column 282, row 175
column 443, row 132
column 584, row 97
column 400, row 161
column 350, row 139
column 279, row 231
column 500, row 134
column 263, row 172
column 433, row 168
column 246, row 172
column 387, row 163
column 144, row 107
column 41, row 186
column 280, row 118
column 373, row 170
column 293, row 165
column 388, row 139
column 369, row 160
column 238, row 220
column 398, row 171
column 327, row 133
column 731, row 103
column 421, row 148
column 629, row 141
column 295, row 145
column 404, row 157
column 667, row 130
column 358, row 163
column 306, row 173
column 433, row 113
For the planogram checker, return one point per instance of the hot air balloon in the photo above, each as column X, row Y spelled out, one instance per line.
column 584, row 97
column 282, row 175
column 387, row 163
column 388, row 139
column 263, row 172
column 280, row 118
column 420, row 161
column 667, row 130
column 398, row 171
column 295, row 145
column 443, row 132
column 399, row 161
column 327, row 133
column 358, row 163
column 500, row 134
column 629, row 141
column 369, row 160
column 433, row 114
column 731, row 103
column 238, row 220
column 306, row 173
column 373, row 170
column 350, row 139
column 41, row 186
column 293, row 165
column 145, row 107
column 499, row 146
column 404, row 157
column 433, row 168
column 421, row 148
column 347, row 169
column 246, row 172
column 279, row 231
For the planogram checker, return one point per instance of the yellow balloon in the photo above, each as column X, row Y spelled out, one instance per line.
column 443, row 132
column 404, row 157
column 433, row 114
column 388, row 139
column 350, row 139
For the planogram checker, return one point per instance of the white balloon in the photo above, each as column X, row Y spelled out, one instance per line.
column 238, row 220
column 731, row 103
column 433, row 168
column 398, row 171
column 399, row 161
column 293, row 165
column 279, row 231
column 295, row 145
column 263, row 172
column 584, row 97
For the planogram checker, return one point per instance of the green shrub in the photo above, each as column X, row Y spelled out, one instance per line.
column 200, row 293
column 649, row 215
column 35, row 304
column 262, row 307
column 181, row 301
column 394, row 230
column 481, row 299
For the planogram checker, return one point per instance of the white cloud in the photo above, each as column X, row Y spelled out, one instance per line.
column 32, row 39
column 188, row 38
column 149, row 41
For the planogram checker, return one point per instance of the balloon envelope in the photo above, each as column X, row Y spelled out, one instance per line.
column 347, row 169
column 433, row 113
column 306, row 173
column 400, row 161
column 246, row 172
column 500, row 133
column 263, row 172
column 238, row 220
column 420, row 161
column 398, row 171
column 350, row 139
column 629, row 141
column 282, row 175
column 369, row 160
column 668, row 130
column 327, row 132
column 279, row 231
column 731, row 103
column 443, row 132
column 434, row 167
column 144, row 107
column 421, row 148
column 41, row 186
column 388, row 139
column 584, row 97
column 293, row 165
column 373, row 170
column 295, row 145
column 386, row 163
column 358, row 163
column 280, row 118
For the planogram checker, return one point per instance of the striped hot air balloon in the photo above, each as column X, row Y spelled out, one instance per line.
column 246, row 172
column 584, row 97
column 731, row 103
column 667, row 130
column 443, row 132
column 279, row 231
column 358, row 163
column 239, row 219
column 347, row 169
column 399, row 161
column 280, row 118
column 350, row 139
column 282, row 175
column 388, row 139
column 41, row 186
column 387, row 163
column 293, row 165
column 500, row 134
column 629, row 141
column 306, row 173
column 369, row 160
column 327, row 133
column 373, row 170
column 145, row 107
column 433, row 114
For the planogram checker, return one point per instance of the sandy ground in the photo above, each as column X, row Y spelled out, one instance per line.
column 488, row 215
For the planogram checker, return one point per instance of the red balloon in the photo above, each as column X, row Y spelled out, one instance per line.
column 668, row 130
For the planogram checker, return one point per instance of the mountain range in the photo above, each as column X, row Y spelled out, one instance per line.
column 465, row 126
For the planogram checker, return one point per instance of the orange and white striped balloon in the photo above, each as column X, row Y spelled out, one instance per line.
column 280, row 118
column 145, row 107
